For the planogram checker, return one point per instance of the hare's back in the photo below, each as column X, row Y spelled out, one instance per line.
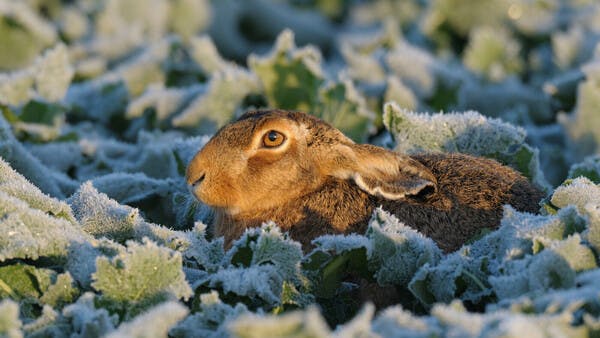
column 481, row 183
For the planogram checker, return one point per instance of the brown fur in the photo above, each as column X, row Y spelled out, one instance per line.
column 320, row 182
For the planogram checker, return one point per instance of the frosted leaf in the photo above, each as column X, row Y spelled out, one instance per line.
column 47, row 324
column 533, row 17
column 359, row 326
column 63, row 291
column 510, row 286
column 262, row 259
column 150, row 155
column 397, row 251
column 290, row 76
column 583, row 126
column 10, row 325
column 548, row 270
column 156, row 322
column 226, row 90
column 188, row 17
column 212, row 319
column 365, row 68
column 87, row 320
column 31, row 233
column 161, row 201
column 592, row 235
column 396, row 322
column 542, row 228
column 458, row 322
column 59, row 156
column 164, row 101
column 493, row 53
column 24, row 33
column 98, row 99
column 73, row 23
column 143, row 273
column 307, row 323
column 569, row 300
column 467, row 132
column 104, row 217
column 415, row 67
column 397, row 92
column 566, row 46
column 53, row 73
column 25, row 282
column 209, row 256
column 461, row 17
column 205, row 53
column 90, row 68
column 259, row 281
column 455, row 276
column 341, row 243
column 151, row 18
column 13, row 152
column 130, row 188
column 577, row 192
column 81, row 261
column 101, row 216
column 145, row 68
column 14, row 184
column 16, row 87
column 579, row 256
column 345, row 108
column 590, row 168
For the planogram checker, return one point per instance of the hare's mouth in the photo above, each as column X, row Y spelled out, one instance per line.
column 198, row 181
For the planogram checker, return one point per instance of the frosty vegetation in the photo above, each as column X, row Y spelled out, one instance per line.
column 105, row 102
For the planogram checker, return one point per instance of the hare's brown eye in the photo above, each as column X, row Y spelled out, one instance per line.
column 273, row 139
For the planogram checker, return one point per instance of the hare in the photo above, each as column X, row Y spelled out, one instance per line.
column 310, row 179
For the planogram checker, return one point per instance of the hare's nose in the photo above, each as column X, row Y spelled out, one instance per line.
column 199, row 180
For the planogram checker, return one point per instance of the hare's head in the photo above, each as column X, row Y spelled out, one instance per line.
column 268, row 158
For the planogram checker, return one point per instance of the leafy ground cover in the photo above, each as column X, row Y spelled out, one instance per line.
column 105, row 102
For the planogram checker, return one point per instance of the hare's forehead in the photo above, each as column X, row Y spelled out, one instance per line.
column 248, row 130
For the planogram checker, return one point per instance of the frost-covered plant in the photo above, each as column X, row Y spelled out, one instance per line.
column 583, row 125
column 211, row 321
column 493, row 53
column 263, row 263
column 293, row 78
column 397, row 251
column 156, row 322
column 467, row 132
column 22, row 32
column 10, row 324
column 140, row 276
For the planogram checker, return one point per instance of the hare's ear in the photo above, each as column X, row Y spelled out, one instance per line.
column 384, row 173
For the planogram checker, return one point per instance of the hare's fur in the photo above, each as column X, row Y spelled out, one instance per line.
column 320, row 182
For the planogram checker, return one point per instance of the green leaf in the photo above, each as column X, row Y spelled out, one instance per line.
column 291, row 77
column 142, row 272
column 41, row 112
column 20, row 281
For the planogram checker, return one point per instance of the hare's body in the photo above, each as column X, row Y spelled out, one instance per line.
column 319, row 182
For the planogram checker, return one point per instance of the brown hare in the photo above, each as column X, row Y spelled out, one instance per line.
column 305, row 175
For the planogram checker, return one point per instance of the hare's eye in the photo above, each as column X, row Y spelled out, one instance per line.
column 273, row 139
